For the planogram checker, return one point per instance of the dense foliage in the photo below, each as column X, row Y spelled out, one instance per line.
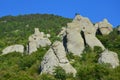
column 14, row 66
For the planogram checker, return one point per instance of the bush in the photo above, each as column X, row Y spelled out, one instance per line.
column 87, row 49
column 93, row 72
column 60, row 73
column 46, row 77
column 70, row 56
column 98, row 49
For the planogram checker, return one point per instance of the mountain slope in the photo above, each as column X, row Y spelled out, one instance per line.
column 14, row 66
column 17, row 29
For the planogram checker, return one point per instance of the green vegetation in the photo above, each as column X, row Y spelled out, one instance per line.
column 14, row 66
column 60, row 73
column 17, row 29
column 111, row 41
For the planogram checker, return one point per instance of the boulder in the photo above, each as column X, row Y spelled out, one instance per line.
column 56, row 56
column 105, row 27
column 110, row 58
column 13, row 48
column 36, row 40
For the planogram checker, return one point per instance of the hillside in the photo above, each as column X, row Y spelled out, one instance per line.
column 14, row 66
column 17, row 29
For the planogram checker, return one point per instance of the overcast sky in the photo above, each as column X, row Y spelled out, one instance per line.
column 95, row 10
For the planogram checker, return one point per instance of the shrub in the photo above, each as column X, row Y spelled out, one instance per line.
column 87, row 49
column 70, row 56
column 60, row 73
column 98, row 49
column 46, row 77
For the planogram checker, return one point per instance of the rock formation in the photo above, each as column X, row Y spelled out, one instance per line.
column 38, row 39
column 85, row 24
column 89, row 31
column 80, row 32
column 110, row 58
column 13, row 48
column 49, row 62
column 105, row 27
column 92, row 41
column 75, row 43
column 56, row 56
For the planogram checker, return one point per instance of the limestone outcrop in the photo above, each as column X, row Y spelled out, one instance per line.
column 13, row 48
column 56, row 56
column 110, row 58
column 80, row 32
column 85, row 24
column 89, row 32
column 105, row 27
column 38, row 39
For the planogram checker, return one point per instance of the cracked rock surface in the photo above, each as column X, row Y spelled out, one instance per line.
column 56, row 56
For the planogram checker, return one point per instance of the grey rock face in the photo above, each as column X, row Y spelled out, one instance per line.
column 92, row 41
column 109, row 57
column 85, row 24
column 75, row 43
column 59, row 52
column 13, row 48
column 105, row 27
column 69, row 68
column 38, row 39
column 56, row 56
column 31, row 47
column 49, row 62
